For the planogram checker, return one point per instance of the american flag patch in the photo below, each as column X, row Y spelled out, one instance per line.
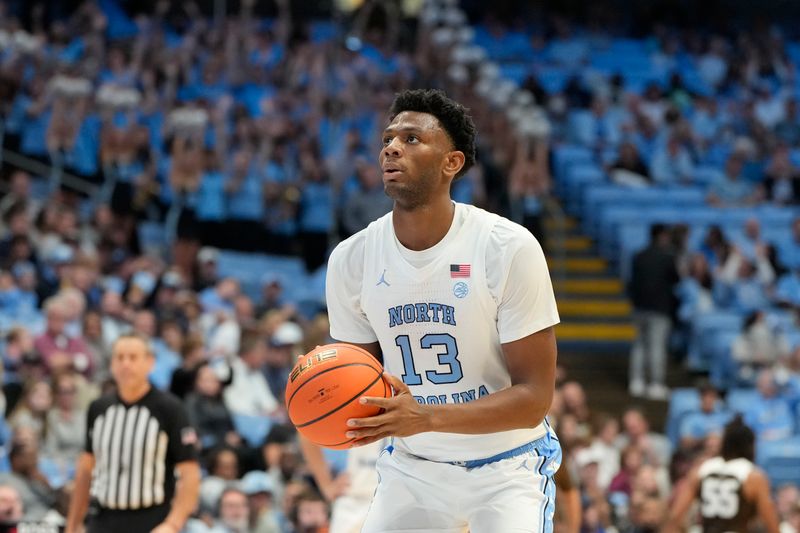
column 459, row 271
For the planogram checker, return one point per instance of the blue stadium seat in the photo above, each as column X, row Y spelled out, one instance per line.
column 253, row 429
column 702, row 339
column 681, row 402
column 724, row 371
column 780, row 460
column 337, row 459
column 739, row 400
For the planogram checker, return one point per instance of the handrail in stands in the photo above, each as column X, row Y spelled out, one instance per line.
column 42, row 169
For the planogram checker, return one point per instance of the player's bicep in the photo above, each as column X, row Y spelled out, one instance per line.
column 532, row 360
column 683, row 501
column 765, row 508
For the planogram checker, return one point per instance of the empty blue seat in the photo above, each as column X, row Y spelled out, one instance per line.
column 681, row 401
column 739, row 400
column 253, row 429
column 780, row 460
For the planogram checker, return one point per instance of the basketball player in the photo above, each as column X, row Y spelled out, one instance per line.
column 458, row 304
column 731, row 489
column 350, row 493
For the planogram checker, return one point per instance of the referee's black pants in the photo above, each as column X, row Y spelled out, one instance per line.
column 104, row 520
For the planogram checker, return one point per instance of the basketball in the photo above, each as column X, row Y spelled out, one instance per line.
column 323, row 390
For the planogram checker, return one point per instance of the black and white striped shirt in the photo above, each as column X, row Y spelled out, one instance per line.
column 136, row 448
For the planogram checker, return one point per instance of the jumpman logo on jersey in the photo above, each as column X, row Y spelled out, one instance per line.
column 383, row 279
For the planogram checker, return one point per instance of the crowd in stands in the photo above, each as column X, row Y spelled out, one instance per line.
column 259, row 135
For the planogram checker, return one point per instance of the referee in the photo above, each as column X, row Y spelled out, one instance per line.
column 137, row 440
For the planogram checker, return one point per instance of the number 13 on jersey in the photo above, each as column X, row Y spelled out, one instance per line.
column 446, row 350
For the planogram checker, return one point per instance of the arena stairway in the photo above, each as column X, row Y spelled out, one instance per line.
column 591, row 298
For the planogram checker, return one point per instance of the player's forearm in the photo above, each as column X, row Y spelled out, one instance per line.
column 572, row 511
column 519, row 406
column 80, row 497
column 186, row 494
column 315, row 460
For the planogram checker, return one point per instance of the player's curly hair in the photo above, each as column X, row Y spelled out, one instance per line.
column 738, row 440
column 454, row 118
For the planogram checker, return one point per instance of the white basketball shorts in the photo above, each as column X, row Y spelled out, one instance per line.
column 509, row 493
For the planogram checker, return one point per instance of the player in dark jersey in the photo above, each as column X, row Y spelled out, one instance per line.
column 731, row 490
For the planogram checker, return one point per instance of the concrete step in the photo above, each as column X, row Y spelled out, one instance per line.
column 595, row 332
column 584, row 307
column 595, row 265
column 569, row 223
column 588, row 286
column 577, row 244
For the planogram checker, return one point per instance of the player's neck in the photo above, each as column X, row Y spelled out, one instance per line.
column 422, row 227
column 133, row 393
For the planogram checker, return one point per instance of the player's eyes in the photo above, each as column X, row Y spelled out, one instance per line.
column 412, row 139
column 386, row 141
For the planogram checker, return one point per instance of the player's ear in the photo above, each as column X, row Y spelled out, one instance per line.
column 453, row 163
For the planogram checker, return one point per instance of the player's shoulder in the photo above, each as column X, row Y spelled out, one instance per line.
column 710, row 465
column 505, row 236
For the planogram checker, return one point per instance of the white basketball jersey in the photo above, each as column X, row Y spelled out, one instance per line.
column 437, row 325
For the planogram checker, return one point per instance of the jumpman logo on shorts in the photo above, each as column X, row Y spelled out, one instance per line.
column 383, row 279
column 525, row 465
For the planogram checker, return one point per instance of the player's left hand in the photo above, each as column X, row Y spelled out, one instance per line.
column 402, row 416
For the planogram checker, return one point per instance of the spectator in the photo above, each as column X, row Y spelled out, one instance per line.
column 632, row 460
column 281, row 351
column 731, row 189
column 234, row 511
column 21, row 363
column 788, row 129
column 310, row 514
column 606, row 432
column 769, row 414
column 743, row 284
column 26, row 478
column 782, row 181
column 249, row 394
column 66, row 423
column 220, row 297
column 672, row 164
column 629, row 168
column 263, row 512
column 757, row 347
column 207, row 268
column 711, row 418
column 655, row 447
column 11, row 510
column 31, row 411
column 787, row 502
column 651, row 288
column 207, row 412
column 193, row 356
column 58, row 350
